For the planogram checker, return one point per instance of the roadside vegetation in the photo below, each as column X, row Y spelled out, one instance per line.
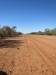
column 46, row 32
column 7, row 31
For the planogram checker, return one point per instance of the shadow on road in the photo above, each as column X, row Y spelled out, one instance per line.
column 3, row 73
column 10, row 43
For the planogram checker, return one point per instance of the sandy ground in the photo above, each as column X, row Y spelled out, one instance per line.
column 28, row 55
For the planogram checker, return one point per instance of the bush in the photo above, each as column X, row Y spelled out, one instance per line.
column 7, row 31
column 46, row 32
column 19, row 33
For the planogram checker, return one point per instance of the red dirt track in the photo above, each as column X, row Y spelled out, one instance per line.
column 29, row 55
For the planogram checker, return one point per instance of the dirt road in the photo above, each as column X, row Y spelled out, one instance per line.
column 28, row 55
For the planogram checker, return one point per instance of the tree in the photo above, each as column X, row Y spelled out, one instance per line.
column 7, row 31
column 48, row 31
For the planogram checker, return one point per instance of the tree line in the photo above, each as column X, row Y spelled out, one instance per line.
column 47, row 31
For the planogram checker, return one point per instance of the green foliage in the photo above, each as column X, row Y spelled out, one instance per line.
column 33, row 33
column 19, row 33
column 7, row 31
column 54, row 31
column 46, row 32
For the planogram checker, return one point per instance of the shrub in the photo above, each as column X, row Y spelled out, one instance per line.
column 7, row 31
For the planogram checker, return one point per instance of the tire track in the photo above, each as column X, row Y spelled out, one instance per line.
column 42, row 54
column 47, row 48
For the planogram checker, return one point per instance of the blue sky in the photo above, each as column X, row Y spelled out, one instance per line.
column 28, row 15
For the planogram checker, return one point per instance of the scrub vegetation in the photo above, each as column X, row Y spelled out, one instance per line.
column 7, row 31
column 46, row 32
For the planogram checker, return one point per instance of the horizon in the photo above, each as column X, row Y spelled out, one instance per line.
column 1, row 26
column 28, row 15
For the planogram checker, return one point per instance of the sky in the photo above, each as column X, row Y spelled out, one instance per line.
column 28, row 15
